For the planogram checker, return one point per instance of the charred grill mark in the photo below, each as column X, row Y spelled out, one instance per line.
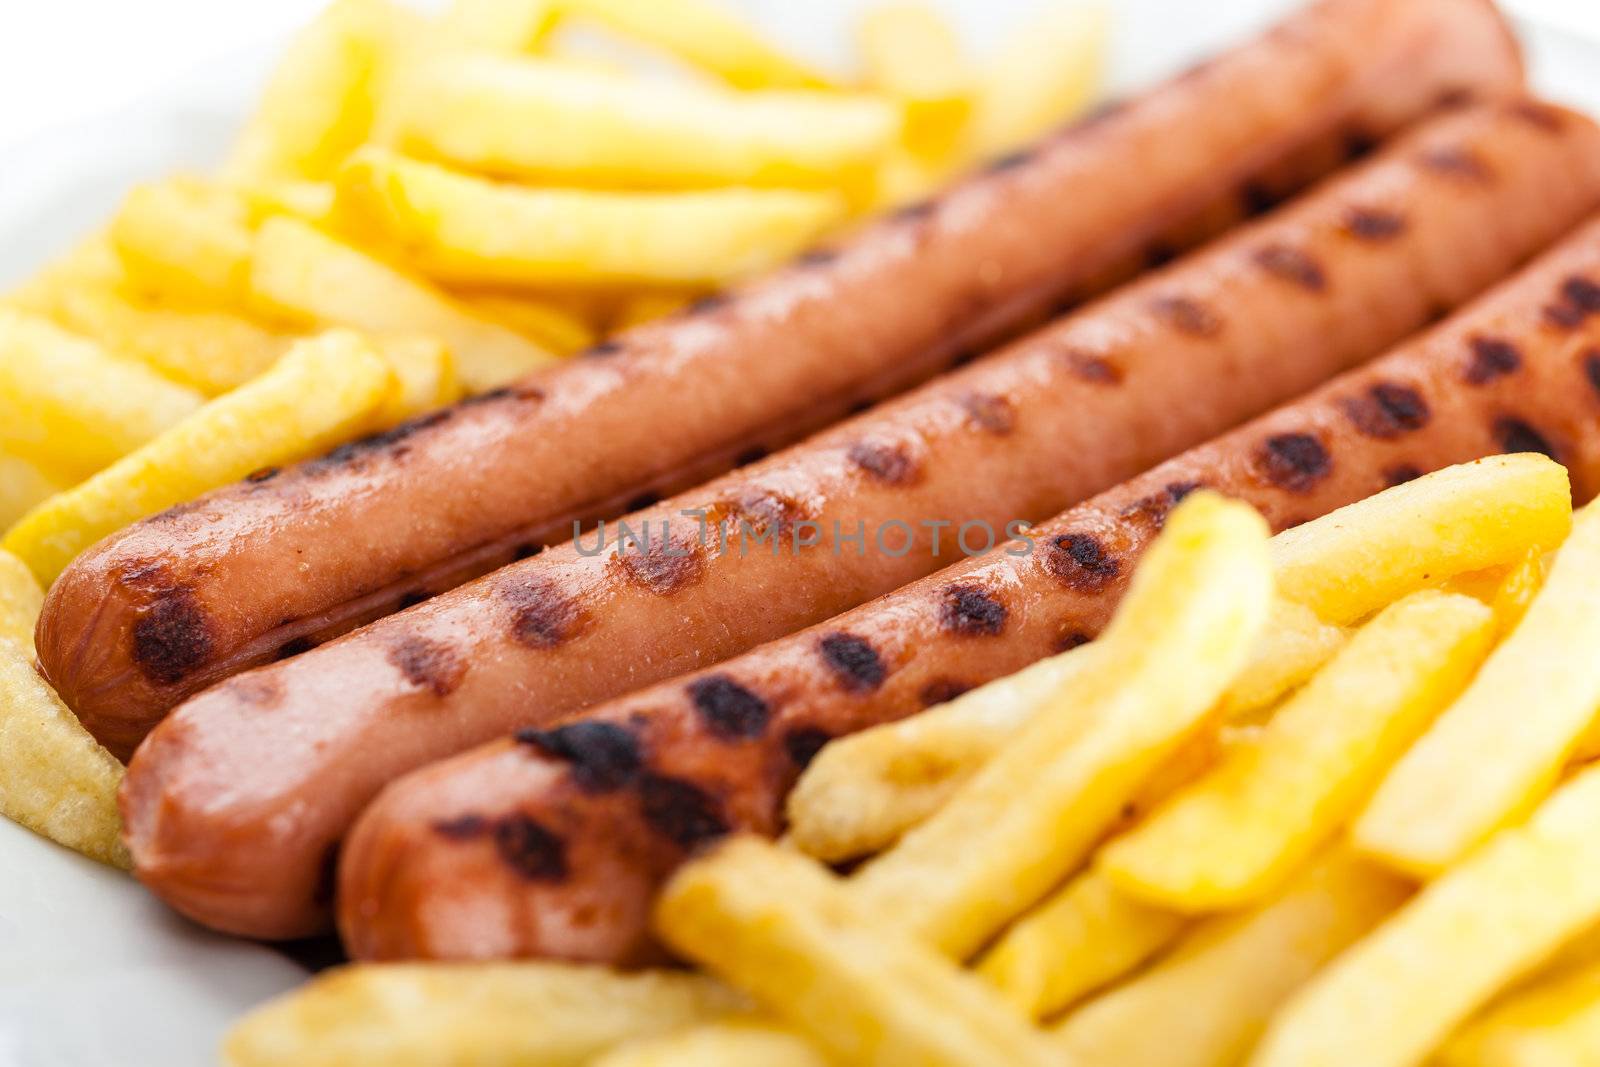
column 392, row 442
column 991, row 413
column 603, row 757
column 1400, row 474
column 1092, row 367
column 942, row 691
column 709, row 303
column 1293, row 266
column 541, row 615
column 427, row 664
column 730, row 711
column 1187, row 316
column 1293, row 461
column 1461, row 164
column 1011, row 160
column 763, row 511
column 529, row 849
column 970, row 610
column 817, row 257
column 1591, row 368
column 666, row 567
column 258, row 689
column 1374, row 224
column 853, row 661
column 172, row 636
column 917, row 211
column 803, row 743
column 462, row 828
column 1492, row 357
column 1515, row 435
column 1080, row 561
column 603, row 349
column 1154, row 509
column 1387, row 410
column 887, row 463
column 683, row 813
column 1540, row 116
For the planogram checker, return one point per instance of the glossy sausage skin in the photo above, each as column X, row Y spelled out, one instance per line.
column 288, row 558
column 552, row 843
column 234, row 802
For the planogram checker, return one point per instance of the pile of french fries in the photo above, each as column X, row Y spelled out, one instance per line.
column 430, row 206
column 1319, row 799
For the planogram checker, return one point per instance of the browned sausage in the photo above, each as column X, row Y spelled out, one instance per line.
column 234, row 802
column 288, row 558
column 554, row 842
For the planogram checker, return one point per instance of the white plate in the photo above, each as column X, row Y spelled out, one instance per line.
column 94, row 973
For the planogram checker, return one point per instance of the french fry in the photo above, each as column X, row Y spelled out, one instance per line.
column 54, row 778
column 1348, row 564
column 188, row 242
column 639, row 308
column 507, row 26
column 424, row 377
column 1235, row 836
column 550, row 325
column 301, row 273
column 1553, row 1023
column 735, row 1043
column 1394, row 997
column 67, row 400
column 326, row 390
column 705, row 34
column 470, row 231
column 1206, row 1003
column 489, row 1014
column 323, row 97
column 23, row 483
column 1520, row 584
column 784, row 929
column 1085, row 936
column 1047, row 72
column 1025, row 820
column 92, row 262
column 1515, row 727
column 864, row 791
column 474, row 112
column 914, row 56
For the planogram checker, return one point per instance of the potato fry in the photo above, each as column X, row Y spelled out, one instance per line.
column 54, row 778
column 424, row 377
column 548, row 324
column 862, row 792
column 1395, row 996
column 92, row 262
column 68, row 401
column 21, row 599
column 1347, row 565
column 1047, row 72
column 705, row 34
column 323, row 97
column 784, row 929
column 474, row 232
column 1208, row 1002
column 506, row 26
column 735, row 1043
column 186, row 241
column 23, row 484
column 913, row 55
column 1085, row 936
column 300, row 272
column 647, row 306
column 1238, row 834
column 1553, row 1023
column 1430, row 811
column 1025, row 820
column 325, row 391
column 486, row 1014
column 473, row 111
column 1519, row 586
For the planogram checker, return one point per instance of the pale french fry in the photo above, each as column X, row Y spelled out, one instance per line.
column 424, row 377
column 1025, row 820
column 91, row 262
column 1395, row 996
column 21, row 599
column 326, row 390
column 1088, row 934
column 1515, row 727
column 54, row 778
column 1208, row 1002
column 735, row 1043
column 862, row 792
column 23, row 483
column 307, row 200
column 784, row 929
column 1553, row 1023
column 702, row 33
column 301, row 273
column 552, row 326
column 913, row 55
column 474, row 232
column 1347, row 565
column 508, row 26
column 1047, row 72
column 69, row 401
column 323, row 97
column 489, row 1014
column 474, row 111
column 1239, row 833
column 186, row 241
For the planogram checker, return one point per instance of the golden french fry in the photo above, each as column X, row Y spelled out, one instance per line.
column 324, row 391
column 508, row 26
column 186, row 241
column 1088, row 934
column 914, row 56
column 23, row 483
column 1520, row 584
column 1554, row 1023
column 1238, row 834
column 310, row 201
column 424, row 377
column 491, row 1014
column 784, row 929
column 705, row 34
column 1206, row 1003
column 322, row 100
column 1515, row 727
column 1186, row 627
column 21, row 599
column 474, row 232
column 734, row 1043
column 862, row 792
column 549, row 324
column 1395, row 996
column 68, row 401
column 474, row 111
column 301, row 273
column 1047, row 72
column 647, row 306
column 1348, row 564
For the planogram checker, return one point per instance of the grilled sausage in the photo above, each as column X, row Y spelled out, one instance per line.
column 552, row 843
column 289, row 558
column 1152, row 369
